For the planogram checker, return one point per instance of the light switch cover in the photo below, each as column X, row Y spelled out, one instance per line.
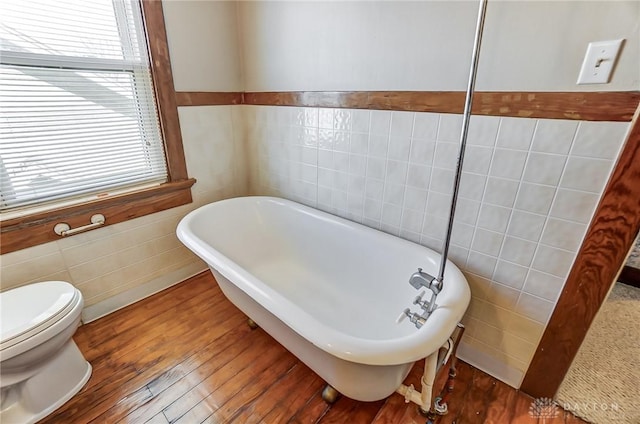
column 599, row 61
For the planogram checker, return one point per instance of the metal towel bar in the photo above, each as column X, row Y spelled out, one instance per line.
column 63, row 229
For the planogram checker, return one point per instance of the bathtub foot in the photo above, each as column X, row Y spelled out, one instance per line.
column 252, row 324
column 329, row 394
column 429, row 415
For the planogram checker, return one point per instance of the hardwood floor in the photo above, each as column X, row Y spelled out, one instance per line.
column 186, row 355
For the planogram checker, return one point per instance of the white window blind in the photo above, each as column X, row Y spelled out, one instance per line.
column 77, row 109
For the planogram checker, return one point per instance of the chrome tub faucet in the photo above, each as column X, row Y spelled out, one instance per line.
column 422, row 279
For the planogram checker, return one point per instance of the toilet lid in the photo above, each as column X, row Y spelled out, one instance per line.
column 30, row 306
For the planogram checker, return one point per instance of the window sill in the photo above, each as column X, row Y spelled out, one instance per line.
column 37, row 228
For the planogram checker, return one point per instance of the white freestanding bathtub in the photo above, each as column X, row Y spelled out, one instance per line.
column 328, row 289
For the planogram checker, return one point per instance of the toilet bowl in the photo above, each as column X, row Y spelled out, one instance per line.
column 40, row 365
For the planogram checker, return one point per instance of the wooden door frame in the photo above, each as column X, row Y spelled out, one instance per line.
column 611, row 233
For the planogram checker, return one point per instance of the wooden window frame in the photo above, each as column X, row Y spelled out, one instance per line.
column 37, row 228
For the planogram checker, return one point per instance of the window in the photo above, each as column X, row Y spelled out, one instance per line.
column 78, row 119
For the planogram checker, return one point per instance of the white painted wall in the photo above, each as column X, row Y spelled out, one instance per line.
column 426, row 45
column 203, row 45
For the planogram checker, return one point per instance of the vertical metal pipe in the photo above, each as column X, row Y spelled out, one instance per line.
column 482, row 10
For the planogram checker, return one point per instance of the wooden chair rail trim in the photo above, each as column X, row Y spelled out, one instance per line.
column 584, row 106
column 613, row 229
column 204, row 98
column 33, row 229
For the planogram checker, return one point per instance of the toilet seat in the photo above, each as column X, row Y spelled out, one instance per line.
column 29, row 310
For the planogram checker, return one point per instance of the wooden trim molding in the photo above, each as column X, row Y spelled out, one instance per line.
column 208, row 98
column 31, row 230
column 612, row 231
column 164, row 89
column 584, row 106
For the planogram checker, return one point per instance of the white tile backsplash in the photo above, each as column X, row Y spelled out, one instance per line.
column 543, row 285
column 358, row 164
column 378, row 145
column 518, row 251
column 586, row 174
column 418, row 176
column 374, row 189
column 391, row 215
column 478, row 159
column 438, row 204
column 412, row 220
column 487, row 242
column 394, row 193
column 554, row 136
column 543, row 168
column 563, row 234
column 503, row 296
column 472, row 186
column 516, row 133
column 376, row 168
column 380, row 122
column 325, row 118
column 510, row 274
column 508, row 163
column 422, row 151
column 534, row 307
column 396, row 172
column 425, row 126
column 467, row 211
column 574, row 205
column 360, row 120
column 501, row 192
column 526, row 225
column 494, row 218
column 446, row 155
column 449, row 128
column 401, row 125
column 441, row 180
column 483, row 130
column 359, row 143
column 535, row 198
column 553, row 261
column 462, row 234
column 372, row 209
column 480, row 264
column 415, row 198
column 600, row 140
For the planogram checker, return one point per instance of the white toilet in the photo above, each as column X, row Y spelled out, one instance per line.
column 40, row 365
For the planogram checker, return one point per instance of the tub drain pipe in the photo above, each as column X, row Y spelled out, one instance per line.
column 424, row 396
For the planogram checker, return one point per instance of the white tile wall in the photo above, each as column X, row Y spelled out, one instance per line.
column 111, row 260
column 528, row 191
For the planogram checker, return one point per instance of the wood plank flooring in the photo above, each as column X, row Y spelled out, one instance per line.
column 186, row 355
